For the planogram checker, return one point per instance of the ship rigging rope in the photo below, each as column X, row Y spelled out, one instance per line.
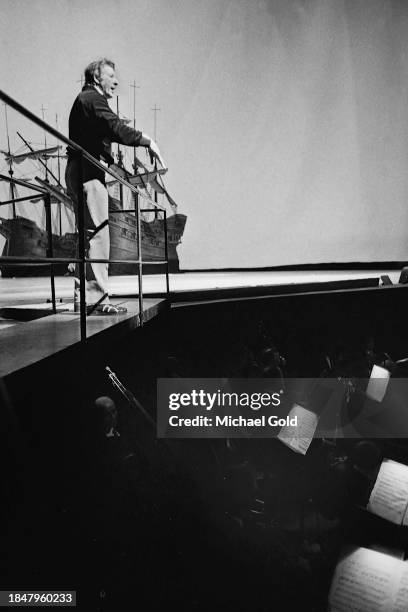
column 61, row 138
column 147, row 195
column 143, row 195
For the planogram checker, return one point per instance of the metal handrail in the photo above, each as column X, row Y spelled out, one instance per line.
column 73, row 145
column 4, row 177
column 16, row 260
column 82, row 260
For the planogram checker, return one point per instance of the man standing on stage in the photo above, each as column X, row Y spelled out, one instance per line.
column 94, row 126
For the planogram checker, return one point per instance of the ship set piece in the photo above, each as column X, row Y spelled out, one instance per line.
column 25, row 236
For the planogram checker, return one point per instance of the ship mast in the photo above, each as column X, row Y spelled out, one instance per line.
column 120, row 156
column 120, row 159
column 11, row 172
column 155, row 109
column 135, row 166
column 45, row 143
column 59, row 180
column 40, row 160
column 134, row 86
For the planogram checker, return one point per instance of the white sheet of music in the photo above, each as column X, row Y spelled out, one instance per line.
column 369, row 581
column 299, row 437
column 389, row 497
column 378, row 383
column 401, row 597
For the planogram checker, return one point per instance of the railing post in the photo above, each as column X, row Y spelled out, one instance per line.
column 139, row 258
column 50, row 249
column 81, row 248
column 166, row 253
column 82, row 155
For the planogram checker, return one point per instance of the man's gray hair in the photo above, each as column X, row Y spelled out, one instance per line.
column 94, row 69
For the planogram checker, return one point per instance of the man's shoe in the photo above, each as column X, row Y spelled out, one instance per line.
column 101, row 309
column 109, row 309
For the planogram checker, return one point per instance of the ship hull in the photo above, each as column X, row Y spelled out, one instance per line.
column 25, row 239
column 124, row 244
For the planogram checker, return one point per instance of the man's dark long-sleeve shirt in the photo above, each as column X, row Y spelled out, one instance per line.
column 94, row 126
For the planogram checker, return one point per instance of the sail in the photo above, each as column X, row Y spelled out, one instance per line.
column 38, row 154
column 155, row 185
column 63, row 219
column 142, row 180
column 57, row 194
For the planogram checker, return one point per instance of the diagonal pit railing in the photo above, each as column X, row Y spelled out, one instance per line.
column 82, row 260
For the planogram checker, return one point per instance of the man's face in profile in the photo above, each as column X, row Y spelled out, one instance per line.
column 107, row 81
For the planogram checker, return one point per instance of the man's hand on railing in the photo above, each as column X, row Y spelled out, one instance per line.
column 122, row 172
column 154, row 150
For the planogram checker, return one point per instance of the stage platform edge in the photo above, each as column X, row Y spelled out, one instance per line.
column 26, row 344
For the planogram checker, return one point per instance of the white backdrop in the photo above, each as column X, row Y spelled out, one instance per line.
column 312, row 100
column 284, row 122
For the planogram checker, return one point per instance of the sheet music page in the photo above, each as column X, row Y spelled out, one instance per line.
column 365, row 581
column 401, row 597
column 299, row 437
column 389, row 497
column 378, row 383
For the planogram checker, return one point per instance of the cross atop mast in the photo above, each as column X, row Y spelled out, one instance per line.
column 155, row 109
